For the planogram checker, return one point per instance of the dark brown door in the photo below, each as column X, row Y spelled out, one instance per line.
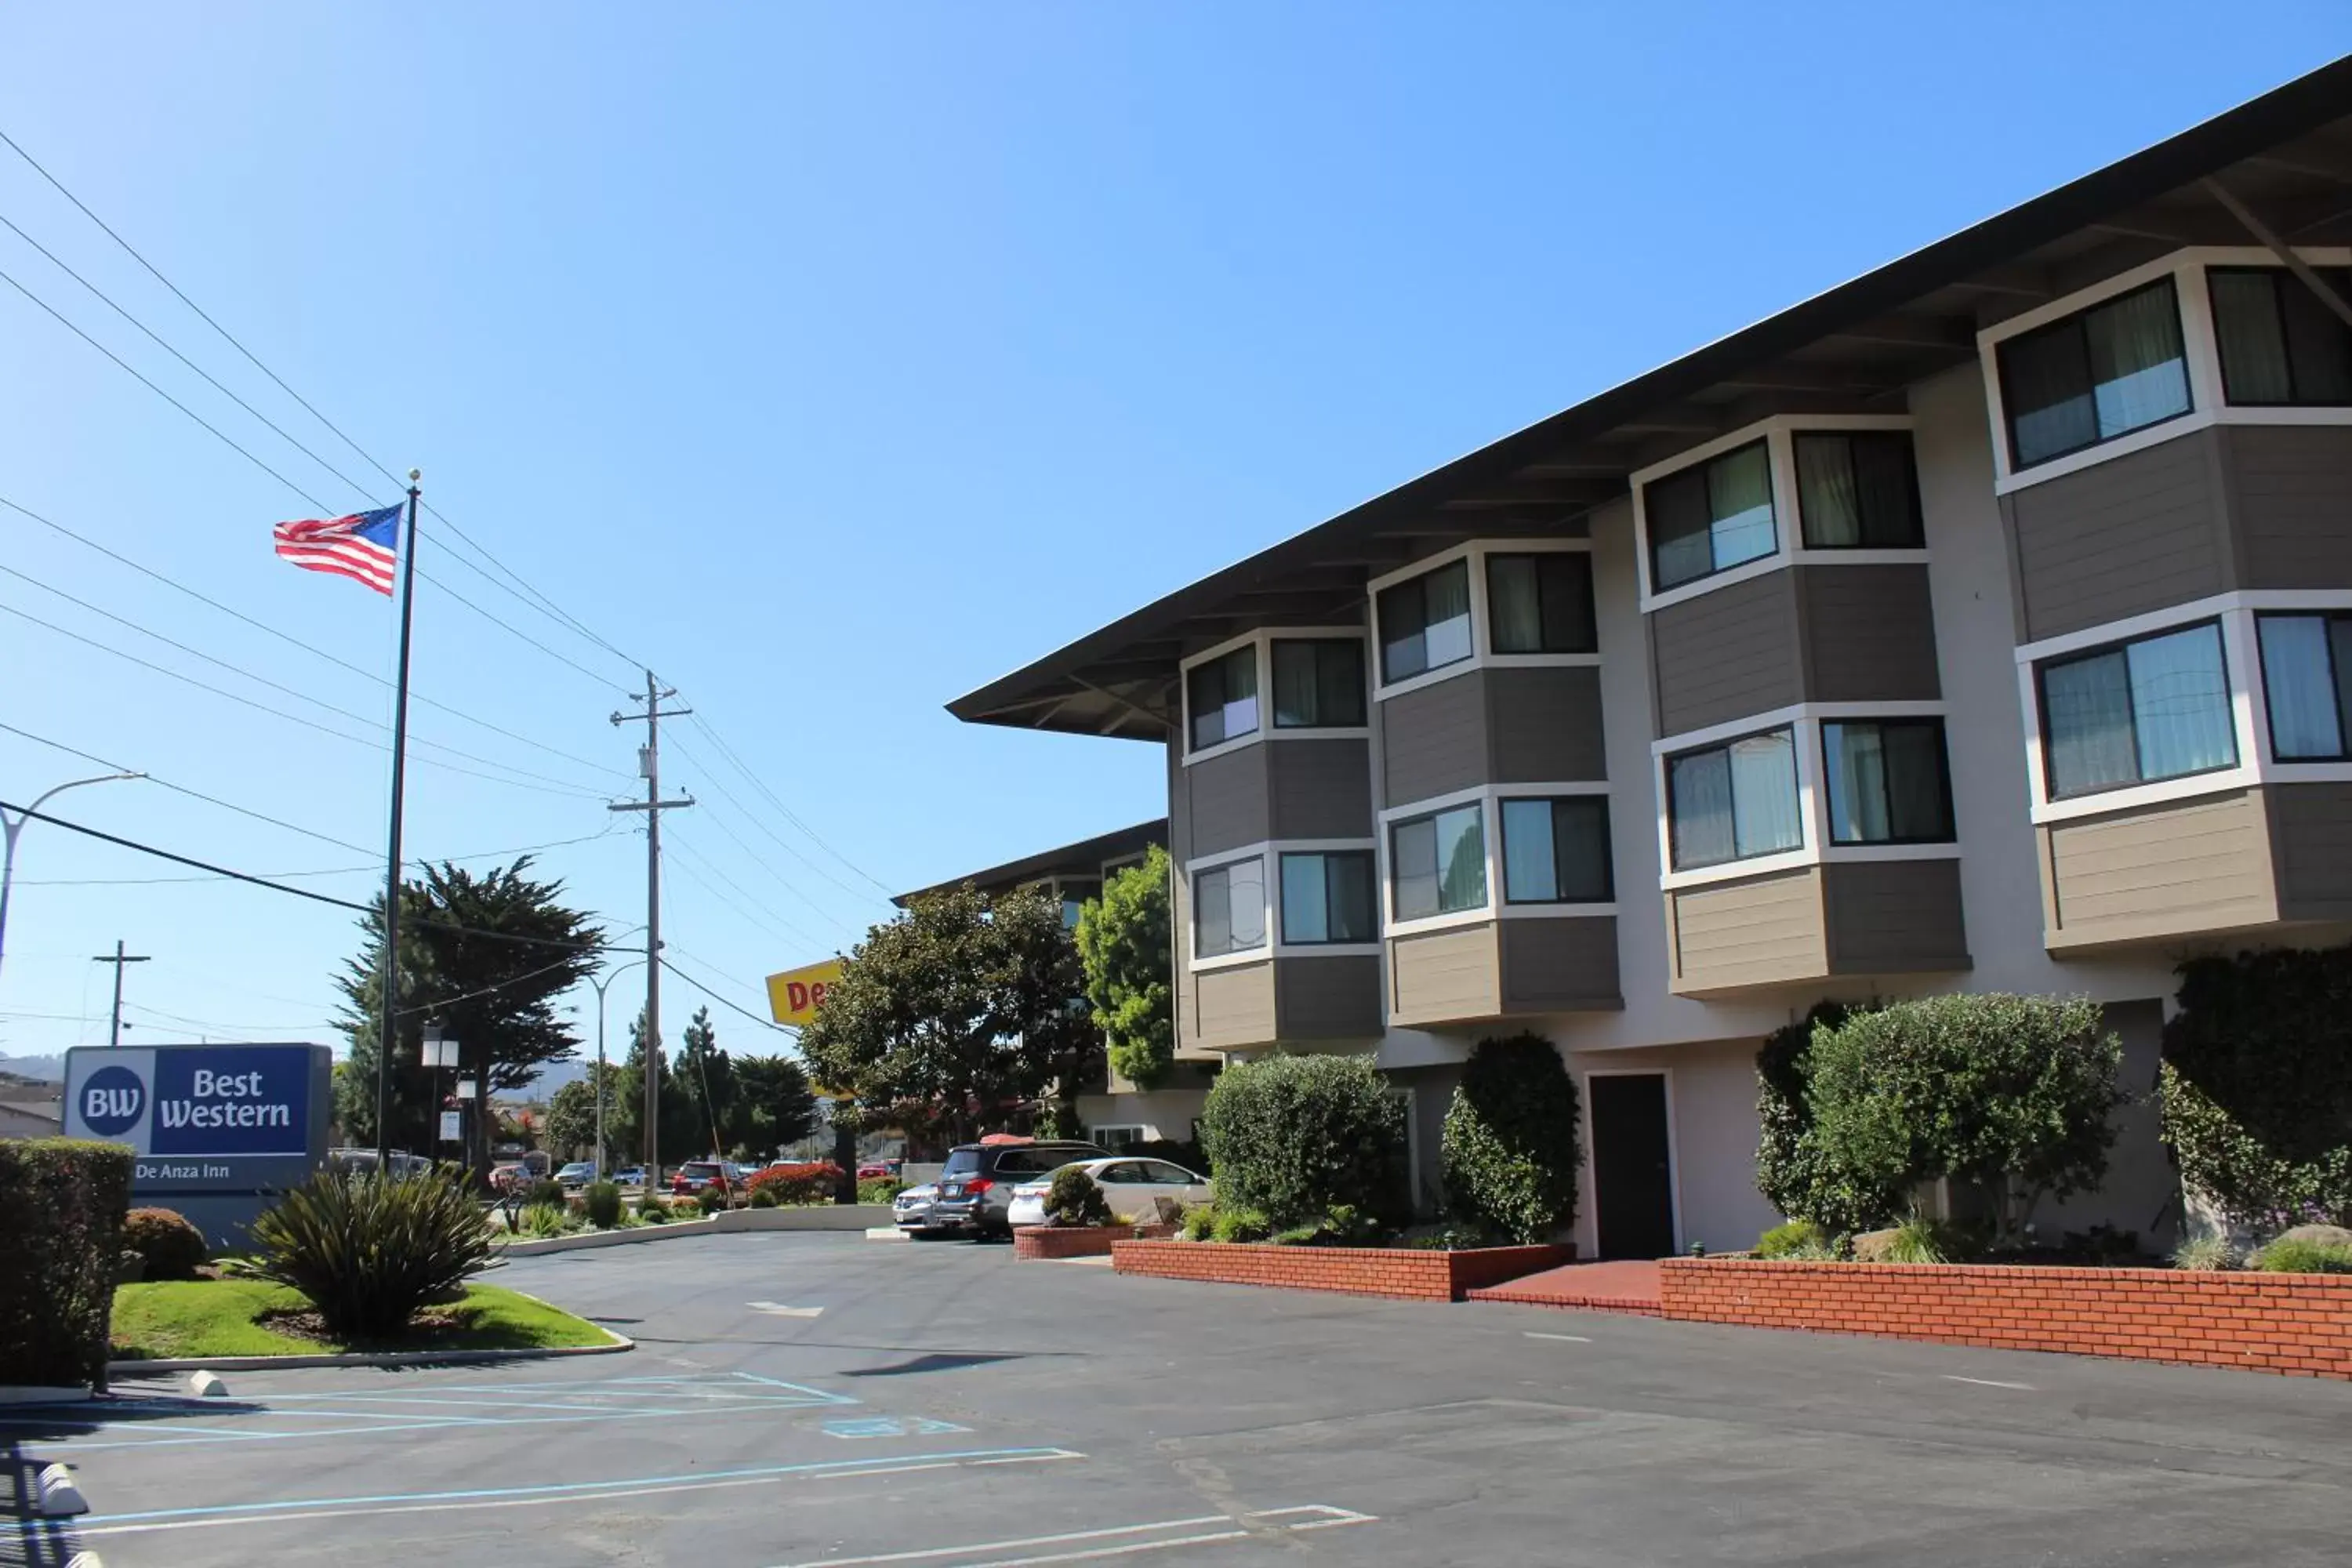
column 1633, row 1179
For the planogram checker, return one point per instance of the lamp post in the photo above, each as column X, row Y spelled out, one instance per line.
column 11, row 826
column 600, row 982
column 435, row 1050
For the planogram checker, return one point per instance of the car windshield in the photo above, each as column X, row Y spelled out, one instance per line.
column 961, row 1162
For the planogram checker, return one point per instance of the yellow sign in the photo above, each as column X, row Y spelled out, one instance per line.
column 793, row 995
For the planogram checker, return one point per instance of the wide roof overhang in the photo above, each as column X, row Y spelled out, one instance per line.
column 1083, row 858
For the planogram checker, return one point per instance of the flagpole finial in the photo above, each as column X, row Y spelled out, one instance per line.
column 414, row 475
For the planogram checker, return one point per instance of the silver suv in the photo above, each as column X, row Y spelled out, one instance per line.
column 975, row 1188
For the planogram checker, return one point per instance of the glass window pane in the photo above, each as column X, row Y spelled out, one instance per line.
column 1530, row 866
column 2087, row 708
column 1514, row 603
column 1247, row 882
column 1856, row 758
column 1698, row 789
column 1739, row 500
column 1448, row 636
column 1306, row 913
column 2319, row 342
column 1827, row 503
column 1462, row 859
column 1888, row 482
column 1347, row 882
column 2296, row 673
column 2138, row 372
column 1339, row 683
column 2253, row 336
column 2181, row 703
column 1213, row 914
column 2339, row 638
column 1579, row 833
column 1403, row 612
column 1918, row 795
column 1295, row 699
column 1222, row 696
column 2045, row 387
column 1414, row 851
column 1675, row 510
column 1566, row 577
column 1764, row 793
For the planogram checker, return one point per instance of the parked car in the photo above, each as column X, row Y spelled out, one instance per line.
column 696, row 1174
column 630, row 1176
column 509, row 1178
column 1130, row 1186
column 872, row 1169
column 976, row 1184
column 577, row 1174
column 910, row 1211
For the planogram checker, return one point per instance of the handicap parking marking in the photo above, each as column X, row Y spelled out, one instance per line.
column 1116, row 1540
column 888, row 1427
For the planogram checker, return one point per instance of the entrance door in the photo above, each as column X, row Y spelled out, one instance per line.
column 1633, row 1194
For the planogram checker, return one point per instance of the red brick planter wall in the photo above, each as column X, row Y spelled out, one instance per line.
column 1072, row 1241
column 1410, row 1272
column 2299, row 1324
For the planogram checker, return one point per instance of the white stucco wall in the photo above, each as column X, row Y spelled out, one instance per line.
column 1162, row 1113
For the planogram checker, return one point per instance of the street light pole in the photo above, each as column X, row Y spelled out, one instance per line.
column 600, row 982
column 11, row 826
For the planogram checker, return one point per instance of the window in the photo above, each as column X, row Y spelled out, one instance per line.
column 1710, row 517
column 1123, row 1173
column 1441, row 863
column 1734, row 801
column 1319, row 685
column 1075, row 895
column 1229, row 910
column 1326, row 897
column 1115, row 1139
column 2158, row 708
column 1425, row 623
column 1887, row 780
column 1223, row 698
column 2101, row 373
column 1161, row 1173
column 1556, row 851
column 1858, row 491
column 1540, row 604
column 2280, row 345
column 2304, row 661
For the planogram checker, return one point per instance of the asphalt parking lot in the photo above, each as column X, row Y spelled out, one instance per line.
column 810, row 1398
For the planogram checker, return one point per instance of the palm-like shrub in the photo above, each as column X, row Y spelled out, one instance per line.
column 1075, row 1198
column 167, row 1244
column 368, row 1251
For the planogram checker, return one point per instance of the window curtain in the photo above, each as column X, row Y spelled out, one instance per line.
column 1403, row 651
column 1348, row 881
column 1415, row 846
column 1448, row 633
column 1462, row 850
column 2253, row 340
column 2305, row 721
column 1241, row 691
column 2319, row 342
column 1764, row 794
column 1675, row 512
column 2137, row 371
column 2046, row 386
column 1886, row 489
column 1698, row 790
column 2086, row 707
column 1917, row 804
column 1529, row 876
column 1579, row 833
column 1857, row 768
column 1514, row 605
column 1296, row 702
column 1338, row 683
column 1828, row 498
column 1739, row 502
column 2181, row 703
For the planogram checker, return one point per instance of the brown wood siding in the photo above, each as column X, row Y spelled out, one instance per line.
column 2293, row 503
column 1235, row 1006
column 2311, row 835
column 1560, row 964
column 1869, row 633
column 1726, row 654
column 1444, row 975
column 1544, row 725
column 2161, row 870
column 1321, row 789
column 2138, row 533
column 1766, row 932
column 1229, row 801
column 1894, row 917
column 1433, row 740
column 1329, row 996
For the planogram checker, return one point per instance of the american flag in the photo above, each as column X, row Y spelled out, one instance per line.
column 358, row 547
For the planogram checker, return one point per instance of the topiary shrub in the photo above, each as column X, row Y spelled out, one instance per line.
column 368, row 1251
column 1075, row 1198
column 1511, row 1148
column 1295, row 1136
column 62, row 1201
column 169, row 1246
column 602, row 1202
column 1792, row 1170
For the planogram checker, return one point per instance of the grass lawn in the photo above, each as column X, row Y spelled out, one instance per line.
column 176, row 1318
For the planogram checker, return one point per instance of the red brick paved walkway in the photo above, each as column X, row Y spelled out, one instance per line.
column 1590, row 1287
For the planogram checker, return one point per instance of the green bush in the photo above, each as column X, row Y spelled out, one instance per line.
column 168, row 1246
column 62, row 1202
column 602, row 1202
column 2209, row 1252
column 368, row 1251
column 1919, row 1239
column 1799, row 1239
column 1199, row 1224
column 1075, row 1198
column 763, row 1198
column 2304, row 1258
column 1239, row 1225
column 543, row 1190
column 1792, row 1170
column 1510, row 1149
column 2010, row 1095
column 1293, row 1136
column 654, row 1211
column 545, row 1219
column 711, row 1199
column 879, row 1189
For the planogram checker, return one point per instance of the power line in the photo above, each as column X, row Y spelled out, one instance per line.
column 723, row 1001
column 183, row 789
column 601, row 680
column 789, row 816
column 758, row 820
column 758, row 914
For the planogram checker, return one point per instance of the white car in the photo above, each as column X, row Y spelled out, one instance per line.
column 1129, row 1185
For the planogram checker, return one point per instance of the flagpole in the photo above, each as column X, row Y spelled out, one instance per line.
column 389, row 1034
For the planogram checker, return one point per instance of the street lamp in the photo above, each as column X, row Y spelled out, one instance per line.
column 600, row 982
column 11, row 828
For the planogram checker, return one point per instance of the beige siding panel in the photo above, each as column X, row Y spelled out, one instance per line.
column 1229, row 801
column 1321, row 789
column 1435, row 738
column 2293, row 503
column 1444, row 975
column 2311, row 835
column 1767, row 931
column 1235, row 1006
column 1328, row 996
column 2164, row 870
column 2134, row 533
column 1726, row 654
column 1545, row 725
column 1894, row 917
column 1870, row 634
column 1560, row 964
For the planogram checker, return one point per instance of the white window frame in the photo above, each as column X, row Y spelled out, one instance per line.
column 1481, row 649
column 2208, row 406
column 1268, row 853
column 1263, row 639
column 1193, row 959
column 1488, row 799
column 1778, row 434
column 2249, row 701
column 1804, row 721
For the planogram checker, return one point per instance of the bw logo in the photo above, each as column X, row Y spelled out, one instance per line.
column 112, row 1100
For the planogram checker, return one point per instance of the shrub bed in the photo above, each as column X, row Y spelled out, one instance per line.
column 168, row 1246
column 813, row 1182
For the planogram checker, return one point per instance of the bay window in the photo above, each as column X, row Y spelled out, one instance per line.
column 1229, row 909
column 1710, row 517
column 2155, row 708
column 1221, row 697
column 2306, row 659
column 1556, row 851
column 1857, row 491
column 1734, row 801
column 1426, row 622
column 2098, row 375
column 1318, row 684
column 1440, row 863
column 2281, row 346
column 1540, row 602
column 1887, row 780
column 1326, row 897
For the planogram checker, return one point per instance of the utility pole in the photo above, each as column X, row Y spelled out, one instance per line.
column 118, row 958
column 653, row 805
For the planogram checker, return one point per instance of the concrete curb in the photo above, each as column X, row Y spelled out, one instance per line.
column 834, row 1217
column 588, row 1238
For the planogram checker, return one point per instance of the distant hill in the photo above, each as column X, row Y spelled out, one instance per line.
column 48, row 1070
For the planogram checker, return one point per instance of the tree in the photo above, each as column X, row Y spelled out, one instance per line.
column 708, row 1079
column 679, row 1115
column 484, row 957
column 955, row 1013
column 572, row 1112
column 776, row 1105
column 2010, row 1095
column 1125, row 948
column 1511, row 1148
column 1297, row 1136
column 1792, row 1170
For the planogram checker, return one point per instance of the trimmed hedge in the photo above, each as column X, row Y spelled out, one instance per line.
column 1511, row 1149
column 62, row 1205
column 168, row 1246
column 813, row 1182
column 1294, row 1137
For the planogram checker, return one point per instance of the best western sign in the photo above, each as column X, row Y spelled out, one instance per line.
column 793, row 995
column 205, row 1119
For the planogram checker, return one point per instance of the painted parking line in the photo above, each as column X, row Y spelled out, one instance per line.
column 1115, row 1541
column 1569, row 1338
column 1989, row 1382
column 284, row 1511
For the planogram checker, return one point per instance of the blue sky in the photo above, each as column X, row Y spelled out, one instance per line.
column 835, row 360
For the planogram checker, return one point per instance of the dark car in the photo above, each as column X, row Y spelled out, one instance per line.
column 696, row 1174
column 975, row 1187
